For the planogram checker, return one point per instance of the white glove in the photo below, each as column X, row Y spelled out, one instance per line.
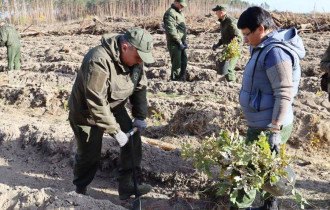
column 121, row 138
column 140, row 124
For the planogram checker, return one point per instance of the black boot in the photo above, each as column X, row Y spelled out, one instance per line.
column 126, row 187
column 270, row 204
column 81, row 190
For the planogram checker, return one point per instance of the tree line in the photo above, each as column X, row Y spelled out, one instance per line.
column 49, row 11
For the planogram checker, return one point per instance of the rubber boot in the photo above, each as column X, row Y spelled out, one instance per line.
column 81, row 190
column 126, row 187
column 269, row 204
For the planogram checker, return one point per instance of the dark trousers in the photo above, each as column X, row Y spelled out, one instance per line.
column 14, row 57
column 179, row 61
column 89, row 143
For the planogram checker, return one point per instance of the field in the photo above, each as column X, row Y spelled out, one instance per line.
column 37, row 143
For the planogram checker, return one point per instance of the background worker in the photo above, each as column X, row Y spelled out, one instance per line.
column 176, row 35
column 229, row 30
column 10, row 38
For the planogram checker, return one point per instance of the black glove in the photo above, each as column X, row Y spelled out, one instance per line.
column 215, row 46
column 274, row 141
column 140, row 124
column 182, row 46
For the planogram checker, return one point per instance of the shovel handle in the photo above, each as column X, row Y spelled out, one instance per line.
column 132, row 131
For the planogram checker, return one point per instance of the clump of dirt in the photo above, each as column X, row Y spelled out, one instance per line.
column 22, row 197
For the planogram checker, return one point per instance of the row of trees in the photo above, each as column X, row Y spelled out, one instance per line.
column 48, row 11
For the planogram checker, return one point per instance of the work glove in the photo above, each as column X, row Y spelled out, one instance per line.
column 185, row 43
column 121, row 138
column 215, row 46
column 182, row 46
column 140, row 124
column 274, row 141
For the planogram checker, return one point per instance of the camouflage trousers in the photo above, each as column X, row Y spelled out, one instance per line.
column 245, row 200
column 14, row 57
column 179, row 61
column 89, row 142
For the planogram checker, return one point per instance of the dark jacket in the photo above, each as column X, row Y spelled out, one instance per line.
column 175, row 25
column 103, row 85
column 229, row 31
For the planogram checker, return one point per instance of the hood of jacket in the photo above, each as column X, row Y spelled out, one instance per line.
column 288, row 37
column 112, row 47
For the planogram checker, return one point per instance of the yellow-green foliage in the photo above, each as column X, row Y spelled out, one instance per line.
column 315, row 141
column 157, row 117
column 245, row 166
column 230, row 51
column 65, row 105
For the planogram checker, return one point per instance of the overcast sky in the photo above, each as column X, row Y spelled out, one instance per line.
column 299, row 6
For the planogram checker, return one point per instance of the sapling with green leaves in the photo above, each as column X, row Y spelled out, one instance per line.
column 230, row 50
column 242, row 166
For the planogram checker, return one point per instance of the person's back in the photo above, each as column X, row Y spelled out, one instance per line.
column 9, row 36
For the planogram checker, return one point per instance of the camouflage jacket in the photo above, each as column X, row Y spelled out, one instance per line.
column 229, row 30
column 325, row 62
column 9, row 36
column 175, row 25
column 103, row 85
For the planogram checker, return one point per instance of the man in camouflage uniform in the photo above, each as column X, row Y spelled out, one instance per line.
column 325, row 66
column 176, row 34
column 229, row 30
column 110, row 74
column 9, row 37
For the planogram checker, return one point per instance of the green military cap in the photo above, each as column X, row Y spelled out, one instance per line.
column 142, row 41
column 220, row 7
column 182, row 2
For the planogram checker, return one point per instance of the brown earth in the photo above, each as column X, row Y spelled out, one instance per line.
column 37, row 144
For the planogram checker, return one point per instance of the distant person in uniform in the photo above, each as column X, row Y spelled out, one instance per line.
column 229, row 30
column 110, row 75
column 325, row 66
column 176, row 35
column 9, row 37
column 270, row 83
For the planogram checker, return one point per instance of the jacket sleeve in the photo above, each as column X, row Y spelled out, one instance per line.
column 170, row 27
column 278, row 64
column 139, row 98
column 3, row 36
column 97, row 91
